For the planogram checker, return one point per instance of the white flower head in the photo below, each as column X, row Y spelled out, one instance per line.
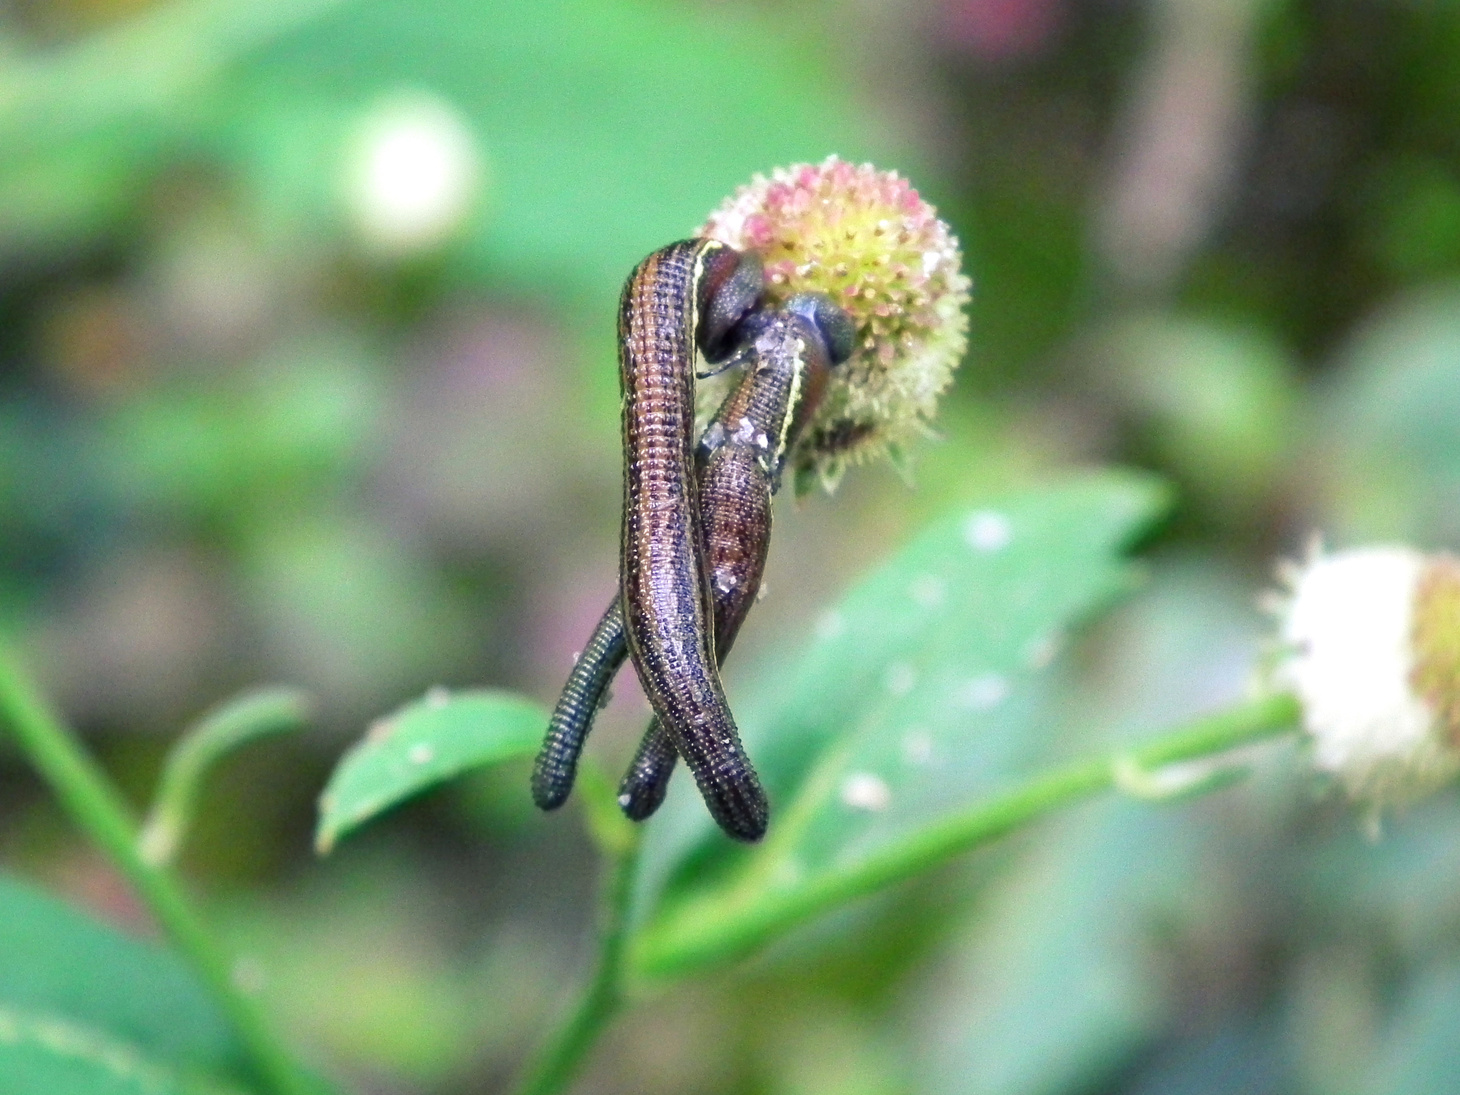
column 413, row 175
column 1372, row 649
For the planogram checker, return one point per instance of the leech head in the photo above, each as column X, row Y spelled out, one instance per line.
column 730, row 286
column 835, row 328
column 829, row 337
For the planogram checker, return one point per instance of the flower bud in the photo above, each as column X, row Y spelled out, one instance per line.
column 867, row 240
column 1372, row 649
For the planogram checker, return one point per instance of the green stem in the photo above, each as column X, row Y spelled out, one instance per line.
column 563, row 1054
column 729, row 922
column 96, row 806
column 254, row 714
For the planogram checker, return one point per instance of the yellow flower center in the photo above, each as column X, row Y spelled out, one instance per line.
column 1436, row 636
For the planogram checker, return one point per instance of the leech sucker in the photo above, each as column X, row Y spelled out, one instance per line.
column 738, row 474
column 671, row 304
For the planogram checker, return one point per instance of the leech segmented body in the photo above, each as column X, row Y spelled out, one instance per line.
column 735, row 563
column 678, row 310
column 664, row 317
column 739, row 461
column 586, row 690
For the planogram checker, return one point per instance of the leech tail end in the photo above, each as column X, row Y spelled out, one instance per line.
column 572, row 718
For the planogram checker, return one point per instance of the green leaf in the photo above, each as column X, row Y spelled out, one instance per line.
column 422, row 744
column 920, row 694
column 57, row 961
column 43, row 1055
column 1050, row 987
column 255, row 714
column 1416, row 1051
column 140, row 75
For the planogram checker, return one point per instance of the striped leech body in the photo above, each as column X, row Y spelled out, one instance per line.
column 738, row 465
column 678, row 310
column 740, row 460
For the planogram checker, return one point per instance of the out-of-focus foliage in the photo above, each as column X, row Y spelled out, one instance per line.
column 82, row 1006
column 425, row 743
column 264, row 416
column 256, row 714
column 922, row 691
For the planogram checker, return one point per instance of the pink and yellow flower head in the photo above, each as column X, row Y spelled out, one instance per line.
column 868, row 241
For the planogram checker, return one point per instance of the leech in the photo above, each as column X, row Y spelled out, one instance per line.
column 779, row 391
column 674, row 303
column 795, row 351
column 723, row 285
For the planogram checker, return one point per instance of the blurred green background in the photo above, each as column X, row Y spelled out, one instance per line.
column 306, row 375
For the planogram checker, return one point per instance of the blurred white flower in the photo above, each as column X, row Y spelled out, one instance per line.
column 1372, row 649
column 413, row 174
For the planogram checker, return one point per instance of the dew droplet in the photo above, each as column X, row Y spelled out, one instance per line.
column 917, row 747
column 864, row 791
column 789, row 871
column 987, row 531
column 983, row 693
column 901, row 678
column 1043, row 650
column 421, row 753
column 830, row 626
column 249, row 976
column 927, row 590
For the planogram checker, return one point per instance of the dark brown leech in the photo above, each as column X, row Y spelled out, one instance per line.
column 735, row 568
column 737, row 479
column 664, row 578
column 585, row 692
column 740, row 460
column 729, row 286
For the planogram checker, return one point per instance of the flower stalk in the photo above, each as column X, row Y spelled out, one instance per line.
column 98, row 809
column 726, row 924
column 562, row 1056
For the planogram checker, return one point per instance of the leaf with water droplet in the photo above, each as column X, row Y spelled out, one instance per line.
column 902, row 711
column 429, row 740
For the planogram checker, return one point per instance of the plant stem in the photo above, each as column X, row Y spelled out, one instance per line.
column 252, row 715
column 729, row 922
column 96, row 806
column 563, row 1054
